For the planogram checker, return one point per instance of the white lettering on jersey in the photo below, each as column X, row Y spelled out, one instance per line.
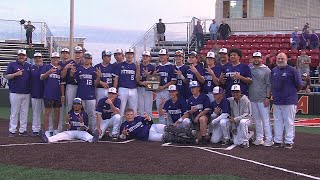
column 85, row 76
column 128, row 72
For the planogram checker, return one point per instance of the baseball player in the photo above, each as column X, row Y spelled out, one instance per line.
column 76, row 124
column 220, row 118
column 53, row 92
column 145, row 98
column 238, row 73
column 18, row 75
column 126, row 77
column 240, row 116
column 107, row 74
column 211, row 75
column 118, row 55
column 259, row 95
column 175, row 107
column 181, row 72
column 37, row 88
column 167, row 77
column 88, row 78
column 72, row 84
column 194, row 73
column 108, row 114
column 142, row 128
column 198, row 110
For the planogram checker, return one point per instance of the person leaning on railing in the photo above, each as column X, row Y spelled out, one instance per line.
column 29, row 29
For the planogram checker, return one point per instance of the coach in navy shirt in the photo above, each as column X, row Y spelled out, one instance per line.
column 18, row 74
column 285, row 84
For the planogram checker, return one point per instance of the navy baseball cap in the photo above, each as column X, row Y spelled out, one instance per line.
column 77, row 101
column 193, row 53
column 193, row 84
column 87, row 55
column 106, row 53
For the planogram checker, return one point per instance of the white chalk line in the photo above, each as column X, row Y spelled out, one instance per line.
column 212, row 148
column 117, row 142
column 247, row 160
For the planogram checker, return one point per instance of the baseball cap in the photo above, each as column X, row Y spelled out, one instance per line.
column 193, row 84
column 223, row 50
column 22, row 51
column 193, row 53
column 112, row 90
column 106, row 53
column 118, row 51
column 172, row 87
column 217, row 90
column 55, row 55
column 305, row 74
column 37, row 54
column 65, row 50
column 146, row 53
column 78, row 49
column 235, row 87
column 130, row 50
column 162, row 52
column 178, row 53
column 257, row 54
column 87, row 55
column 210, row 55
column 77, row 101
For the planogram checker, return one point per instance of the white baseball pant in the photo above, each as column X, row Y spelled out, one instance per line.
column 284, row 116
column 61, row 119
column 145, row 101
column 130, row 96
column 19, row 105
column 156, row 132
column 89, row 106
column 186, row 122
column 114, row 122
column 37, row 111
column 159, row 96
column 221, row 130
column 71, row 135
column 71, row 93
column 242, row 135
column 261, row 117
column 101, row 93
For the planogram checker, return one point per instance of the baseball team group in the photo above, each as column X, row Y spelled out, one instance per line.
column 197, row 102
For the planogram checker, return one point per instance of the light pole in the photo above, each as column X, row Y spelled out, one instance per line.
column 71, row 28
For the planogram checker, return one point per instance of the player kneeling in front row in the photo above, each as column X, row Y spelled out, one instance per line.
column 142, row 128
column 108, row 114
column 77, row 126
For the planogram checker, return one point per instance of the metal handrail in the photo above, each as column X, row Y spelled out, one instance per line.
column 142, row 37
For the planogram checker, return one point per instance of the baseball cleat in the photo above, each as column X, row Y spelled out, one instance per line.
column 95, row 137
column 114, row 138
column 34, row 134
column 288, row 146
column 43, row 136
column 268, row 143
column 226, row 142
column 23, row 134
column 12, row 134
column 258, row 142
column 55, row 132
column 245, row 145
column 277, row 145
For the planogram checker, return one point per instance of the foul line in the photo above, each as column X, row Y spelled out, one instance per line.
column 248, row 160
column 120, row 142
column 197, row 147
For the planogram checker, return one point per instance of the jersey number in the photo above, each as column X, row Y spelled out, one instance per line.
column 179, row 83
column 132, row 77
column 165, row 80
column 209, row 83
column 89, row 82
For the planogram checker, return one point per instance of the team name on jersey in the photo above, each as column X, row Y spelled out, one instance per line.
column 56, row 76
column 208, row 77
column 230, row 74
column 106, row 75
column 189, row 76
column 178, row 111
column 135, row 126
column 165, row 74
column 128, row 72
column 198, row 106
column 85, row 76
column 75, row 123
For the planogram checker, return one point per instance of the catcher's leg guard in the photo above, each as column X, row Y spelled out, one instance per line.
column 182, row 132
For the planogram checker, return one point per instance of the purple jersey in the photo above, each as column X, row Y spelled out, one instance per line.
column 208, row 82
column 37, row 85
column 176, row 109
column 284, row 83
column 19, row 84
column 143, row 68
column 244, row 71
column 75, row 122
column 201, row 102
column 138, row 128
column 68, row 78
column 107, row 74
column 62, row 65
column 52, row 89
column 85, row 78
column 224, row 105
column 127, row 75
column 166, row 73
column 181, row 86
column 192, row 77
column 105, row 109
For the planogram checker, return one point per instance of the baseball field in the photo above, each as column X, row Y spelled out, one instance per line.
column 29, row 158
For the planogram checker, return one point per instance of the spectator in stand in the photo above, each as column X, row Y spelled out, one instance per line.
column 294, row 39
column 305, row 41
column 269, row 60
column 29, row 29
column 224, row 30
column 213, row 30
column 198, row 32
column 303, row 63
column 314, row 40
column 305, row 27
column 290, row 62
column 161, row 29
column 305, row 83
